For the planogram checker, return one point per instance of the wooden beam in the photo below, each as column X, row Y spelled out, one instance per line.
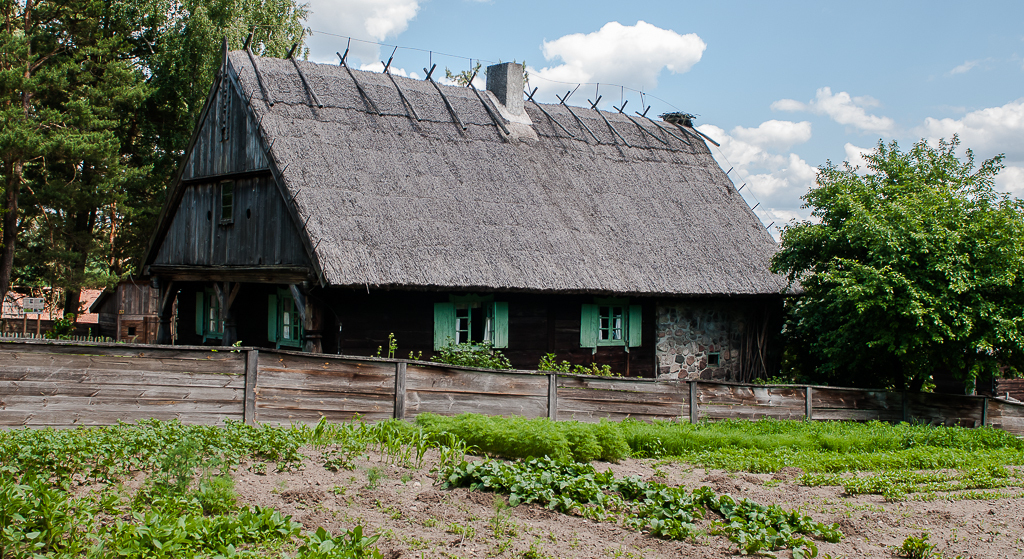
column 808, row 404
column 400, row 369
column 234, row 293
column 553, row 396
column 251, row 370
column 694, row 418
column 245, row 274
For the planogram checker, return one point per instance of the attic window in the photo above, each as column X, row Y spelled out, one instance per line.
column 227, row 202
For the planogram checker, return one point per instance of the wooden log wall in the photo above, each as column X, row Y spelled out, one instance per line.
column 68, row 384
column 292, row 387
column 65, row 384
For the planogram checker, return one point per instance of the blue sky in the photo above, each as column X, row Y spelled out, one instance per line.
column 783, row 86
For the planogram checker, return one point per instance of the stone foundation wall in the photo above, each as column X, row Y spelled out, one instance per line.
column 687, row 332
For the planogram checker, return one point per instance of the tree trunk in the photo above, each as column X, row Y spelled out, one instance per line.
column 10, row 226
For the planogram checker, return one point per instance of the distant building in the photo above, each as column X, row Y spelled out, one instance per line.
column 128, row 313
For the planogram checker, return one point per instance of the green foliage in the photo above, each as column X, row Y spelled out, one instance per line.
column 350, row 545
column 915, row 547
column 516, row 437
column 463, row 78
column 912, row 269
column 99, row 100
column 770, row 445
column 480, row 355
column 663, row 511
column 185, row 508
column 550, row 363
column 62, row 328
column 392, row 347
column 896, row 484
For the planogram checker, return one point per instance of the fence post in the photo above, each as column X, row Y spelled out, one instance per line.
column 808, row 404
column 984, row 411
column 400, row 368
column 553, row 396
column 906, row 408
column 694, row 418
column 252, row 359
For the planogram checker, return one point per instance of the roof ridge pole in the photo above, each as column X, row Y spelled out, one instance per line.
column 620, row 109
column 593, row 105
column 551, row 118
column 366, row 98
column 305, row 82
column 259, row 76
column 574, row 115
column 451, row 110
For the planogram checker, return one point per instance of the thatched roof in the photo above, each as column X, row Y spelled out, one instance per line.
column 388, row 200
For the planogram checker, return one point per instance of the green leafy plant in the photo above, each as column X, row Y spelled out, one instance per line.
column 480, row 355
column 917, row 547
column 550, row 362
column 392, row 346
column 62, row 328
column 350, row 545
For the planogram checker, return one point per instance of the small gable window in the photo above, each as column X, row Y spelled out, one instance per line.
column 209, row 322
column 227, row 202
column 610, row 322
column 471, row 319
column 284, row 322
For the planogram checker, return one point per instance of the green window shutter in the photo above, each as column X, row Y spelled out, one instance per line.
column 444, row 324
column 272, row 318
column 588, row 326
column 200, row 312
column 635, row 324
column 501, row 325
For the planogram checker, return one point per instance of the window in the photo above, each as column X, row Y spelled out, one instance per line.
column 284, row 320
column 610, row 322
column 227, row 202
column 714, row 359
column 209, row 322
column 471, row 319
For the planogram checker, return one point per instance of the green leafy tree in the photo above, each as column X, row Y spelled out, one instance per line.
column 909, row 270
column 98, row 101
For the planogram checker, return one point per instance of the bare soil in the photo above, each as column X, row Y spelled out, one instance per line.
column 417, row 519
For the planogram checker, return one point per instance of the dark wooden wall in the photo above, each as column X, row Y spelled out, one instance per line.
column 262, row 232
column 241, row 151
column 538, row 324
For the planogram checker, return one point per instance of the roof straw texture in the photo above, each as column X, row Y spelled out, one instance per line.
column 392, row 201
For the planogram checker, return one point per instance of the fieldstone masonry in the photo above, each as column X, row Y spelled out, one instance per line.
column 688, row 332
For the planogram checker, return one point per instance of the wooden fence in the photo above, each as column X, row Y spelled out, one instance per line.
column 66, row 383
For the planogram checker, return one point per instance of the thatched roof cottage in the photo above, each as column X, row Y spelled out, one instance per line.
column 321, row 207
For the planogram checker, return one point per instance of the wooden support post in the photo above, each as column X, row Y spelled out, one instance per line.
column 984, row 411
column 39, row 324
column 252, row 359
column 808, row 404
column 553, row 396
column 400, row 390
column 164, row 312
column 694, row 418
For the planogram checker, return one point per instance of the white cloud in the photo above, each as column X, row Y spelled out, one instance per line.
column 965, row 67
column 842, row 108
column 776, row 134
column 1011, row 179
column 855, row 156
column 633, row 56
column 379, row 68
column 371, row 20
column 986, row 131
column 777, row 181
